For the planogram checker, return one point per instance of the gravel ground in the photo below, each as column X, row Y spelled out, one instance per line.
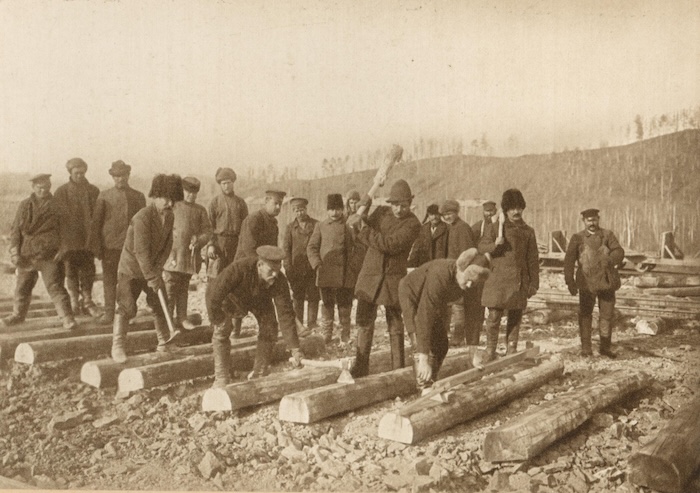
column 56, row 432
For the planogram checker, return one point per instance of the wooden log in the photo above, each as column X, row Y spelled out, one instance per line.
column 149, row 376
column 105, row 372
column 688, row 313
column 650, row 326
column 529, row 434
column 35, row 352
column 10, row 341
column 13, row 484
column 315, row 404
column 665, row 281
column 680, row 292
column 546, row 316
column 468, row 402
column 36, row 304
column 669, row 461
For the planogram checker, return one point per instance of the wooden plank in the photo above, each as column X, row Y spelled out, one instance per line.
column 315, row 404
column 669, row 313
column 529, row 434
column 36, row 304
column 149, row 376
column 10, row 341
column 105, row 372
column 669, row 461
column 468, row 402
column 665, row 281
column 35, row 352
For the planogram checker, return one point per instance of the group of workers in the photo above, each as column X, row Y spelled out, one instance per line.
column 458, row 272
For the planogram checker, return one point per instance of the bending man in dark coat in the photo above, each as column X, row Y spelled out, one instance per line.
column 258, row 286
column 514, row 272
column 114, row 209
column 388, row 234
column 599, row 255
column 34, row 244
column 425, row 295
column 149, row 240
column 432, row 240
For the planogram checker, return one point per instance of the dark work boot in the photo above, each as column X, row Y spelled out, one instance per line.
column 491, row 340
column 585, row 325
column 312, row 314
column 364, row 346
column 237, row 323
column 222, row 361
column 162, row 333
column 119, row 331
column 512, row 335
column 327, row 315
column 606, row 339
column 19, row 313
column 263, row 358
column 90, row 307
column 397, row 350
column 458, row 318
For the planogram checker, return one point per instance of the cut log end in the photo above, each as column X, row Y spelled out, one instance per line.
column 647, row 470
column 294, row 410
column 24, row 354
column 216, row 399
column 130, row 380
column 91, row 375
column 395, row 427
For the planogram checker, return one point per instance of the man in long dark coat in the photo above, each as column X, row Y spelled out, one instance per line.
column 432, row 240
column 514, row 273
column 598, row 254
column 388, row 233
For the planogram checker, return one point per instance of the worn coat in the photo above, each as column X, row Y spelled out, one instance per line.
column 593, row 241
column 388, row 240
column 238, row 289
column 330, row 251
column 148, row 243
column 190, row 220
column 478, row 229
column 35, row 234
column 425, row 294
column 459, row 238
column 514, row 266
column 429, row 245
column 114, row 209
column 76, row 204
column 226, row 214
column 294, row 244
column 257, row 229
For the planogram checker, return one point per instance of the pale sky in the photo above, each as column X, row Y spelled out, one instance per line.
column 192, row 85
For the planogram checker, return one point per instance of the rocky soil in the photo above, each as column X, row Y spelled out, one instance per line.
column 56, row 432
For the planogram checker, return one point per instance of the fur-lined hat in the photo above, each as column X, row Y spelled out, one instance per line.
column 167, row 187
column 512, row 199
column 76, row 162
column 191, row 184
column 334, row 201
column 225, row 174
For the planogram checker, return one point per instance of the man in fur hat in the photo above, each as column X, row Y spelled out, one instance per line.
column 35, row 240
column 297, row 268
column 76, row 203
column 388, row 233
column 114, row 209
column 514, row 271
column 191, row 231
column 329, row 252
column 149, row 241
column 424, row 295
column 432, row 240
column 256, row 285
column 598, row 254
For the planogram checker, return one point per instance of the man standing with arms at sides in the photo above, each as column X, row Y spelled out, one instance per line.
column 226, row 214
column 514, row 272
column 76, row 203
column 191, row 231
column 114, row 209
column 480, row 226
column 432, row 240
column 297, row 267
column 599, row 255
column 149, row 240
column 388, row 233
column 34, row 244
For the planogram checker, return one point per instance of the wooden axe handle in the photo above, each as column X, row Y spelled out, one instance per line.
column 390, row 160
column 501, row 221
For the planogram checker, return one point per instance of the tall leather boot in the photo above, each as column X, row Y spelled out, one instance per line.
column 585, row 325
column 162, row 333
column 345, row 324
column 492, row 328
column 237, row 323
column 119, row 338
column 263, row 358
column 606, row 339
column 397, row 350
column 222, row 360
column 312, row 314
column 19, row 312
column 512, row 335
column 364, row 346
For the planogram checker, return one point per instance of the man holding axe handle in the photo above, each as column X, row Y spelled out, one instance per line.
column 388, row 233
column 425, row 295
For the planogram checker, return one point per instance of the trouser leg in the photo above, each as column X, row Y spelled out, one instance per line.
column 86, row 277
column 473, row 315
column 110, row 264
column 458, row 319
column 70, row 266
column 26, row 280
column 180, row 303
column 396, row 336
column 221, row 345
column 344, row 299
column 606, row 308
column 312, row 297
column 513, row 330
column 366, row 313
column 170, row 280
column 585, row 320
column 493, row 323
column 328, row 313
column 52, row 275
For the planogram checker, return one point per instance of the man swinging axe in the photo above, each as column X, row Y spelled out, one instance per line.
column 253, row 285
column 425, row 294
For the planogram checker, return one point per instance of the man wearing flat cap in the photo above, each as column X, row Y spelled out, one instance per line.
column 431, row 243
column 35, row 241
column 76, row 204
column 191, row 231
column 114, row 209
column 515, row 271
column 388, row 233
column 598, row 254
column 148, row 243
column 489, row 211
column 255, row 285
column 296, row 266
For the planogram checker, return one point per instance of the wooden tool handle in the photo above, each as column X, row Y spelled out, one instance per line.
column 166, row 312
column 393, row 157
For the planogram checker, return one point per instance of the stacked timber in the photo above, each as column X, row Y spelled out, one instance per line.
column 526, row 436
column 668, row 462
column 190, row 367
column 429, row 416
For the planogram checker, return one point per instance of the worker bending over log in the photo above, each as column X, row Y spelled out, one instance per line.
column 599, row 255
column 253, row 285
column 425, row 295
